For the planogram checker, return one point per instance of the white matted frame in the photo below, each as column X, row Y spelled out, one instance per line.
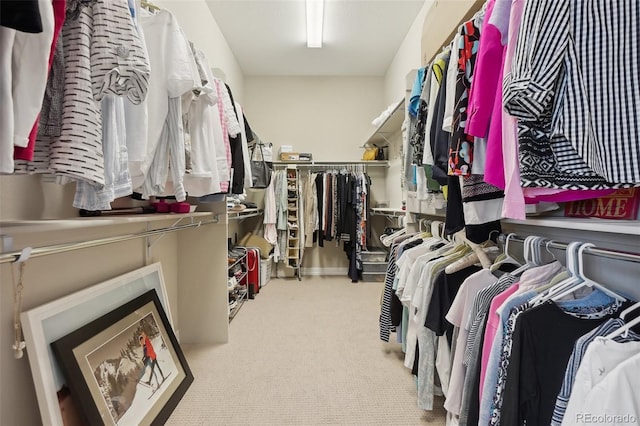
column 47, row 323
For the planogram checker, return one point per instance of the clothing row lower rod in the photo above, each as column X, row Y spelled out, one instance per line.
column 62, row 248
column 602, row 252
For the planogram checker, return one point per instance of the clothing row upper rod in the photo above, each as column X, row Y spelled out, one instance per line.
column 65, row 247
column 602, row 252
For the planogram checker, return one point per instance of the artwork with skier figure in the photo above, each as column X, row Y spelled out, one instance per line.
column 127, row 366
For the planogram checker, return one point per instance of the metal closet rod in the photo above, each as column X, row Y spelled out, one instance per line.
column 78, row 245
column 608, row 253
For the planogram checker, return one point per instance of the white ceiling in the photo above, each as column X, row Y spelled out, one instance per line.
column 361, row 37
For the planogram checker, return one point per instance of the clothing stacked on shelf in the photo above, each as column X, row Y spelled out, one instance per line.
column 507, row 343
column 517, row 111
column 332, row 206
column 129, row 104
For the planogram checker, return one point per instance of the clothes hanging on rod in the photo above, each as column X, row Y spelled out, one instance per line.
column 488, row 337
column 336, row 208
column 143, row 99
column 532, row 148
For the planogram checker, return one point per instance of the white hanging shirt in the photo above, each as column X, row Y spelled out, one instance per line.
column 172, row 76
column 203, row 176
column 592, row 386
column 24, row 65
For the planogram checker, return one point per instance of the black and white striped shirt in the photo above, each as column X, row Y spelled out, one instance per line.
column 103, row 55
column 573, row 79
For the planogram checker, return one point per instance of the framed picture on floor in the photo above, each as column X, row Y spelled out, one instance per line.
column 126, row 367
column 47, row 323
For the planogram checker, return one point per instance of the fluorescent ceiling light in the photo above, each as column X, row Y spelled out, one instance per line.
column 315, row 16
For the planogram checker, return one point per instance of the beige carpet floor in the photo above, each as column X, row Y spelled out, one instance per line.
column 303, row 353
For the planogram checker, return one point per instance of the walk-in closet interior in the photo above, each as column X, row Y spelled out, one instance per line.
column 403, row 212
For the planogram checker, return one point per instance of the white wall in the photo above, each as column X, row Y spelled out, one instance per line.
column 47, row 278
column 407, row 58
column 329, row 117
column 201, row 28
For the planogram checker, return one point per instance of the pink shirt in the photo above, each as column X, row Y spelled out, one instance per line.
column 59, row 9
column 493, row 322
column 513, row 205
column 486, row 73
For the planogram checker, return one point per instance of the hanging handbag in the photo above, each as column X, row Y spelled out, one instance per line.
column 260, row 169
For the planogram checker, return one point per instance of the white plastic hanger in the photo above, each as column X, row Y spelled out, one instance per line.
column 508, row 259
column 387, row 240
column 572, row 268
column 528, row 255
column 631, row 308
column 586, row 282
column 624, row 330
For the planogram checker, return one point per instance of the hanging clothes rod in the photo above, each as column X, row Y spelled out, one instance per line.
column 608, row 253
column 78, row 245
column 335, row 164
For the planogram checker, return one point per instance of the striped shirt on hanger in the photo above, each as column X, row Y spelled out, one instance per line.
column 571, row 81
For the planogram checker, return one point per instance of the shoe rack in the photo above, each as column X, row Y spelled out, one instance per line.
column 236, row 272
column 293, row 220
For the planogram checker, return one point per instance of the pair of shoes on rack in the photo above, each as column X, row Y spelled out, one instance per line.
column 232, row 284
column 292, row 218
column 293, row 225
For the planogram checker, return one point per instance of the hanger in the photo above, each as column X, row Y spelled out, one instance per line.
column 631, row 308
column 528, row 262
column 584, row 281
column 507, row 259
column 528, row 255
column 546, row 246
column 624, row 330
column 387, row 240
column 573, row 279
column 149, row 6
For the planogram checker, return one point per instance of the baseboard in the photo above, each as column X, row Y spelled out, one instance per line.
column 320, row 272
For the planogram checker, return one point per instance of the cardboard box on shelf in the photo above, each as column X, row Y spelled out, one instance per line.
column 289, row 156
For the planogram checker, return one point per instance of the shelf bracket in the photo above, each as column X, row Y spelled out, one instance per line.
column 149, row 242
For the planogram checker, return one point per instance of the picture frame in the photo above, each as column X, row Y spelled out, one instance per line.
column 49, row 322
column 126, row 367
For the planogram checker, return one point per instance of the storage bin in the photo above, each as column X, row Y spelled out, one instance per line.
column 266, row 266
column 374, row 256
column 374, row 267
column 373, row 277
